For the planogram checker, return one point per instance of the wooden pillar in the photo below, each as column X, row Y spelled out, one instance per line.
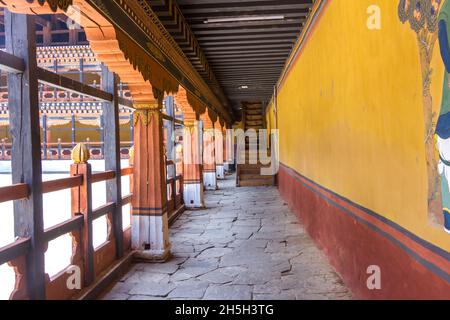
column 47, row 35
column 226, row 152
column 193, row 189
column 82, row 204
column 112, row 155
column 26, row 146
column 73, row 127
column 218, row 140
column 209, row 161
column 170, row 152
column 150, row 230
column 44, row 133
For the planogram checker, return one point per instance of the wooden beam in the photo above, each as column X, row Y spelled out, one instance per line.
column 68, row 84
column 110, row 207
column 112, row 155
column 82, row 204
column 123, row 102
column 26, row 151
column 63, row 228
column 14, row 250
column 103, row 176
column 14, row 192
column 61, row 184
column 10, row 63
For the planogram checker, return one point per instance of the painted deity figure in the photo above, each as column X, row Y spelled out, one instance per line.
column 443, row 124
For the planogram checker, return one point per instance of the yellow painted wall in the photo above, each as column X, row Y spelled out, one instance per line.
column 351, row 118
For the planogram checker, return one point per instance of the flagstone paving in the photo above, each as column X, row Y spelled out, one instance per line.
column 245, row 245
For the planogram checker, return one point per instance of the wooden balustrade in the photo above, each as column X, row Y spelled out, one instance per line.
column 27, row 253
column 80, row 183
column 62, row 150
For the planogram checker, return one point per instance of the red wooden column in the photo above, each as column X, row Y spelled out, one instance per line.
column 193, row 189
column 150, row 230
column 218, row 140
column 209, row 160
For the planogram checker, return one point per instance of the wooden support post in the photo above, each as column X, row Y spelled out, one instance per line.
column 26, row 146
column 193, row 189
column 81, row 68
column 209, row 161
column 82, row 204
column 131, row 130
column 218, row 140
column 150, row 229
column 3, row 150
column 44, row 138
column 102, row 135
column 59, row 149
column 73, row 126
column 170, row 152
column 112, row 155
column 55, row 67
column 47, row 35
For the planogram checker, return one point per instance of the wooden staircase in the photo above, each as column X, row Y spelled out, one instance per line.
column 249, row 175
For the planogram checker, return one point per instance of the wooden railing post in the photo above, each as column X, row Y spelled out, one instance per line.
column 26, row 148
column 3, row 150
column 111, row 153
column 82, row 204
column 59, row 149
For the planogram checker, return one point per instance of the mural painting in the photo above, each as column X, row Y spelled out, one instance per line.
column 430, row 19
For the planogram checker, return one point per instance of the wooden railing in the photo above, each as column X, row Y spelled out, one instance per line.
column 63, row 150
column 90, row 261
column 174, row 192
column 27, row 253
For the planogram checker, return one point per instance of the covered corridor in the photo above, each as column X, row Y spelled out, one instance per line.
column 224, row 149
column 239, row 248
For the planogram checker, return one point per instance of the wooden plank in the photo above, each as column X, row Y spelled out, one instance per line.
column 82, row 204
column 127, row 199
column 103, row 210
column 14, row 250
column 23, row 104
column 112, row 155
column 14, row 192
column 103, row 176
column 61, row 82
column 127, row 171
column 123, row 102
column 62, row 184
column 63, row 228
column 11, row 63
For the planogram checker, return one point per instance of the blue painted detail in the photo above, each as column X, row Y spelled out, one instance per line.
column 443, row 126
column 444, row 45
column 447, row 220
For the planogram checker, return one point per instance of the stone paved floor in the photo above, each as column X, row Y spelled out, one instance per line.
column 246, row 245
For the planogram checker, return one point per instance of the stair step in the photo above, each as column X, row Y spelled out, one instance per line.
column 253, row 112
column 254, row 123
column 254, row 117
column 256, row 183
column 251, row 176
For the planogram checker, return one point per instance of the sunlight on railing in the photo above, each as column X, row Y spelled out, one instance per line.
column 58, row 255
column 7, row 281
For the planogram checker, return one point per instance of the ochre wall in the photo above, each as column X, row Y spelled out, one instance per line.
column 352, row 150
column 351, row 118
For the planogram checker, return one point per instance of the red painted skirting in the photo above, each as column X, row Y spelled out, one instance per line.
column 354, row 238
